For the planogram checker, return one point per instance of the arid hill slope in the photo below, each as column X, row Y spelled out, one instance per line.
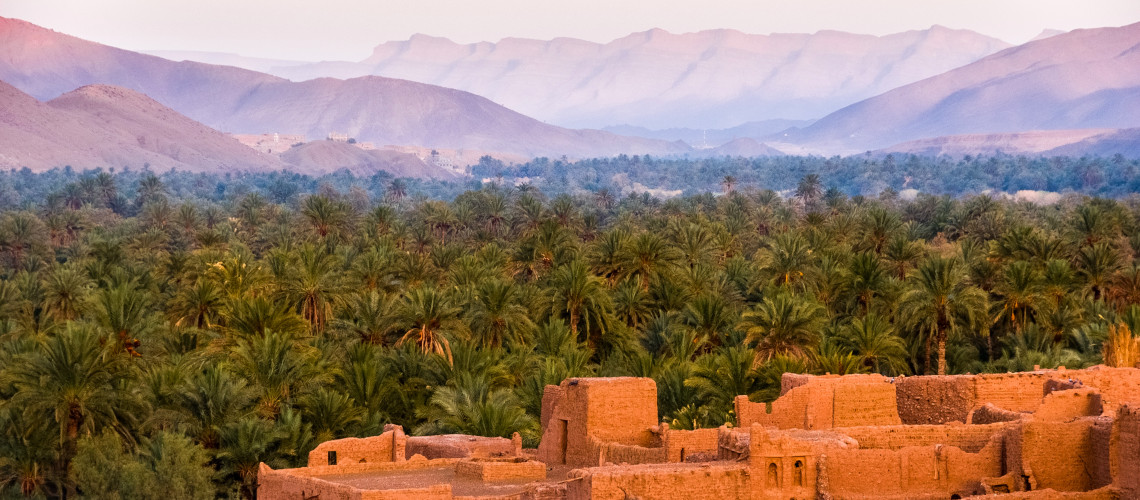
column 106, row 126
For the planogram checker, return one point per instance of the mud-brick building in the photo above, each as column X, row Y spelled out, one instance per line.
column 1046, row 434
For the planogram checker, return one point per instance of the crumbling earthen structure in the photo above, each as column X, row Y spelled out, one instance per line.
column 1038, row 435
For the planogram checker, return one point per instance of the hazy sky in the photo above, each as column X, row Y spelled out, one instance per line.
column 348, row 29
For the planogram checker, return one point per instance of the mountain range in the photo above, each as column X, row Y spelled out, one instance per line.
column 708, row 79
column 45, row 64
column 1084, row 79
column 1071, row 93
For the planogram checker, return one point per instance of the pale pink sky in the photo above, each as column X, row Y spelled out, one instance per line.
column 348, row 29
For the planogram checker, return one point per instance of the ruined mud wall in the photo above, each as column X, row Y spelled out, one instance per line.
column 307, row 484
column 1117, row 386
column 1106, row 493
column 937, row 400
column 1064, row 456
column 934, row 399
column 989, row 414
column 551, row 395
column 970, row 438
column 910, row 472
column 661, row 482
column 1066, row 405
column 272, row 484
column 459, row 446
column 1126, row 451
column 824, row 403
column 680, row 444
column 492, row 470
column 387, row 447
column 615, row 453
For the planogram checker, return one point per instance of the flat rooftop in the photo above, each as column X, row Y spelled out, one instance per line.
column 423, row 478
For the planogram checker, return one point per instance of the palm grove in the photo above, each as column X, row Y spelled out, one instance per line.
column 161, row 336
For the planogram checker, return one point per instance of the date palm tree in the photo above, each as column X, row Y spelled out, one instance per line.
column 1019, row 296
column 370, row 316
column 941, row 300
column 873, row 340
column 198, row 305
column 646, row 254
column 211, row 399
column 498, row 317
column 315, row 285
column 76, row 381
column 1095, row 264
column 471, row 405
column 783, row 324
column 711, row 318
column 431, row 318
column 581, row 298
column 280, row 368
column 787, row 259
column 631, row 303
column 65, row 292
column 327, row 217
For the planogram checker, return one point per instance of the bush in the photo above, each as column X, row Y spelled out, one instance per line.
column 168, row 467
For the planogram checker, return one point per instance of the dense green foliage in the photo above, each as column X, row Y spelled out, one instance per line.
column 161, row 333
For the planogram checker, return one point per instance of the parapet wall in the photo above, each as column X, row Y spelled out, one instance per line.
column 462, row 446
column 824, row 403
column 970, row 438
column 387, row 447
column 661, row 482
column 942, row 399
column 681, row 445
column 911, row 472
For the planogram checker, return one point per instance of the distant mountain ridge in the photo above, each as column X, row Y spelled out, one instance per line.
column 656, row 79
column 1084, row 79
column 44, row 63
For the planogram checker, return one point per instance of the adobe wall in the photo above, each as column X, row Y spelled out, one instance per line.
column 824, row 403
column 934, row 399
column 989, row 414
column 682, row 444
column 1067, row 405
column 1064, row 456
column 387, row 447
column 551, row 395
column 786, row 464
column 305, row 483
column 970, row 438
column 274, row 484
column 615, row 453
column 661, row 482
column 492, row 470
column 941, row 399
column 590, row 411
column 1117, row 386
column 1106, row 493
column 461, row 446
column 910, row 472
column 1126, row 451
